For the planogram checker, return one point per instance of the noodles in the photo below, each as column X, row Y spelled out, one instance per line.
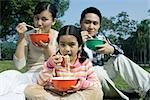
column 67, row 62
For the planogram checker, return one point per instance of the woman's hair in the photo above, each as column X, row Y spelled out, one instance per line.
column 71, row 30
column 91, row 10
column 41, row 6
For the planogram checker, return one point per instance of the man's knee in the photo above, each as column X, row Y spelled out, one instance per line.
column 100, row 72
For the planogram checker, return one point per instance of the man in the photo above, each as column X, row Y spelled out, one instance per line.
column 116, row 63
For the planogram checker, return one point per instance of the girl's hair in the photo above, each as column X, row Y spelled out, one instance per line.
column 41, row 6
column 71, row 30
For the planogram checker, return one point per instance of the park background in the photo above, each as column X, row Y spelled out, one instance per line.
column 125, row 22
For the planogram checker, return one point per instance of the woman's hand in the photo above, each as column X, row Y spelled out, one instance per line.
column 105, row 49
column 21, row 28
column 41, row 44
column 48, row 47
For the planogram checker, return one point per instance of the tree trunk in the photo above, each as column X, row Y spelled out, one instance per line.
column 145, row 55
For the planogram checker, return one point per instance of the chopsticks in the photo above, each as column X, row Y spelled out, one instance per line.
column 37, row 29
column 30, row 26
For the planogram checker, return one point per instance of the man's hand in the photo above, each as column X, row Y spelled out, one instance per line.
column 105, row 49
column 85, row 36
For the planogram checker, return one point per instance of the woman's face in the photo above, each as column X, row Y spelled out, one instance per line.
column 90, row 23
column 68, row 45
column 44, row 21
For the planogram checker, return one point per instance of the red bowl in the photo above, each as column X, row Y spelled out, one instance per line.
column 37, row 37
column 63, row 83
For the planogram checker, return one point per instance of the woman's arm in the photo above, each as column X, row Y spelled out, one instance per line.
column 19, row 56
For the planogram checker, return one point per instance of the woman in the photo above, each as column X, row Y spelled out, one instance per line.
column 29, row 54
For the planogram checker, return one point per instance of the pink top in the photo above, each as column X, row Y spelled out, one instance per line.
column 82, row 70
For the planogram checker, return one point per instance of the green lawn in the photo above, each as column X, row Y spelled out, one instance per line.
column 8, row 65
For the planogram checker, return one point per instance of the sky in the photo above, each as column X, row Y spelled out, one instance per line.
column 136, row 9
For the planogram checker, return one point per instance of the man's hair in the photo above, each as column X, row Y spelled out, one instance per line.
column 91, row 10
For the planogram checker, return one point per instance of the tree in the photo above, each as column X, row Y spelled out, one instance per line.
column 118, row 28
column 15, row 11
column 137, row 45
column 142, row 41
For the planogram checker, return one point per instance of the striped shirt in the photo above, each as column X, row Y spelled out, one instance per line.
column 83, row 70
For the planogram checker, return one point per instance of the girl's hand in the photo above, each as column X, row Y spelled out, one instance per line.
column 76, row 87
column 85, row 36
column 49, row 87
column 21, row 28
column 57, row 59
column 105, row 49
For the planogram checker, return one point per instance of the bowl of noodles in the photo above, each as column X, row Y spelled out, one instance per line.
column 64, row 83
column 37, row 37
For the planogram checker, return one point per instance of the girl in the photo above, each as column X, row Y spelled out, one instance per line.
column 13, row 82
column 88, row 88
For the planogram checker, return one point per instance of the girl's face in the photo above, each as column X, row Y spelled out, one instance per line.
column 44, row 21
column 68, row 45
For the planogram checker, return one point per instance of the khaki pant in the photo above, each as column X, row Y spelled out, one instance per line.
column 37, row 92
column 134, row 75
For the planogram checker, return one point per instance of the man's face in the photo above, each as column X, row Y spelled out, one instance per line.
column 90, row 23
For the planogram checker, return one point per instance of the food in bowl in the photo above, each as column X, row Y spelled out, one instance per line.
column 92, row 43
column 64, row 83
column 37, row 37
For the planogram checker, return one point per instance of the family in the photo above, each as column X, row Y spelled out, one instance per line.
column 95, row 74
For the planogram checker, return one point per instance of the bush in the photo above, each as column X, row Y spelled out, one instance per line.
column 7, row 50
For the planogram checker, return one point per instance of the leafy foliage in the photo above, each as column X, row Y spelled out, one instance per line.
column 7, row 50
column 118, row 28
column 132, row 37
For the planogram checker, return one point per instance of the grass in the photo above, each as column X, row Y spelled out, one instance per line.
column 9, row 65
column 6, row 65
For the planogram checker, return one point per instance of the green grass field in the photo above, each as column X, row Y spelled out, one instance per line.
column 9, row 65
column 6, row 65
